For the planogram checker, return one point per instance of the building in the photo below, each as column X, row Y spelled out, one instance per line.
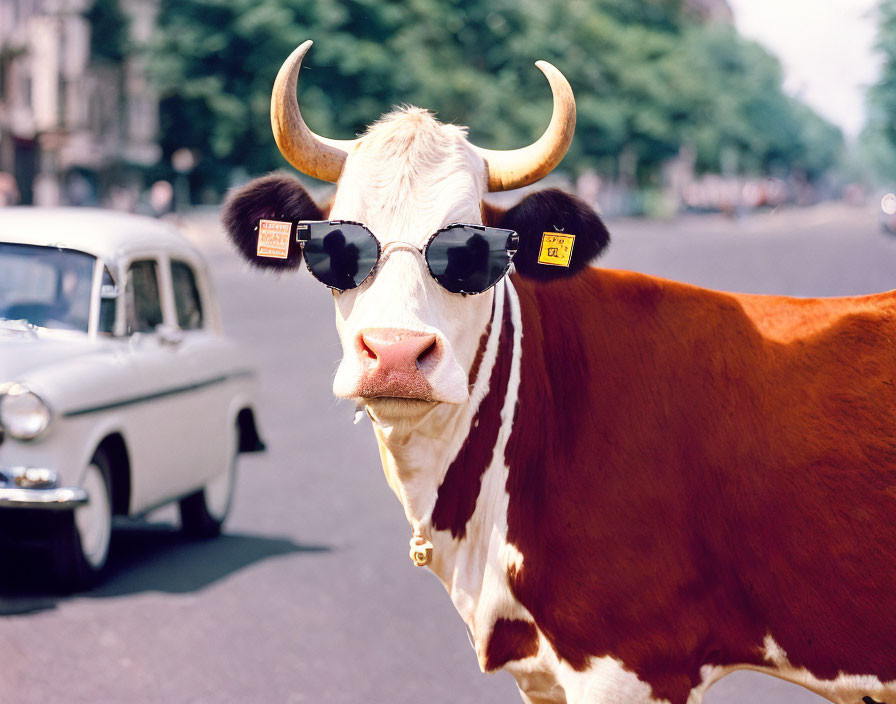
column 711, row 10
column 78, row 123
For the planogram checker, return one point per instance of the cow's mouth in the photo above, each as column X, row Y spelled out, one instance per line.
column 392, row 408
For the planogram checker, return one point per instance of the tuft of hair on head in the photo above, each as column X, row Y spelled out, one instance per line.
column 410, row 133
column 552, row 211
column 272, row 197
column 403, row 117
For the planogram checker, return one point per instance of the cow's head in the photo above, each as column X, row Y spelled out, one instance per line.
column 408, row 343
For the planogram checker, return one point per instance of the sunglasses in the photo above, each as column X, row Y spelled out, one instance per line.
column 461, row 258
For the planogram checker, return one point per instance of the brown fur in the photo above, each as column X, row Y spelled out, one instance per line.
column 692, row 470
column 510, row 639
column 456, row 499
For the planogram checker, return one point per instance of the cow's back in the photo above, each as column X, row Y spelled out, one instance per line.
column 709, row 468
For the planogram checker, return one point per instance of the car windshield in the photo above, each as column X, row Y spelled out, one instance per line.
column 45, row 286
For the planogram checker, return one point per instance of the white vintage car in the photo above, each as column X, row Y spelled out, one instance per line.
column 118, row 392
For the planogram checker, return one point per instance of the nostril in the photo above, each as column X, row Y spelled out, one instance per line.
column 422, row 357
column 365, row 349
column 391, row 349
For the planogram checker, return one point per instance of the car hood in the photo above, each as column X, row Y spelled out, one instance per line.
column 24, row 352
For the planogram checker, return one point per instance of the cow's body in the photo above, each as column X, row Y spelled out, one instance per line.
column 694, row 482
column 631, row 486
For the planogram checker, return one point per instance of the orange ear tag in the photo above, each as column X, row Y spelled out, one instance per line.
column 273, row 239
column 556, row 249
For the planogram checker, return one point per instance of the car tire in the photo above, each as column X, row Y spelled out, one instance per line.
column 202, row 514
column 80, row 544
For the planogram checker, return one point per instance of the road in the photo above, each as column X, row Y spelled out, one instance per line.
column 310, row 596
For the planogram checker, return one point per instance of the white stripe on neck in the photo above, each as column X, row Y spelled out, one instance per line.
column 490, row 356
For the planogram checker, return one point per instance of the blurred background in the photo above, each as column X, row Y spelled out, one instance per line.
column 683, row 105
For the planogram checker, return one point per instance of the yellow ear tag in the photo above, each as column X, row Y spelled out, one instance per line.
column 273, row 239
column 556, row 248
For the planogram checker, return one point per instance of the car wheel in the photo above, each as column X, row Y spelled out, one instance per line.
column 203, row 513
column 80, row 546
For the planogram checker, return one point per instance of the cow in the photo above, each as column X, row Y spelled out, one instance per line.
column 630, row 487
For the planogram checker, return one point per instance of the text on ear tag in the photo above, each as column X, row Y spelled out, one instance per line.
column 273, row 239
column 556, row 248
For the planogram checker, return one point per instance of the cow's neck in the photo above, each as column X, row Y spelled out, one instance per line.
column 448, row 470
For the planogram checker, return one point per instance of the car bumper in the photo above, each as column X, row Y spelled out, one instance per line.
column 43, row 495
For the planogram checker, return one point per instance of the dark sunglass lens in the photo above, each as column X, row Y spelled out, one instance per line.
column 468, row 260
column 341, row 256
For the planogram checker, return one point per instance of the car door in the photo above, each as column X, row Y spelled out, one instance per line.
column 165, row 414
column 212, row 359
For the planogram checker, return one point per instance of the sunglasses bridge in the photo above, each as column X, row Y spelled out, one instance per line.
column 398, row 244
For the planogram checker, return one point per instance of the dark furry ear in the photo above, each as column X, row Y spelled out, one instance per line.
column 273, row 197
column 553, row 211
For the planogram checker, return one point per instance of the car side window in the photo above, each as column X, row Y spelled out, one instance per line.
column 107, row 306
column 144, row 308
column 186, row 296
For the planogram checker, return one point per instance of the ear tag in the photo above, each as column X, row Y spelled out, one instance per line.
column 421, row 550
column 556, row 248
column 273, row 239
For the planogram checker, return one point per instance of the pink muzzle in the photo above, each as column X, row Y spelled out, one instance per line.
column 394, row 363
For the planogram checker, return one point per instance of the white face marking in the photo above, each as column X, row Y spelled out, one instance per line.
column 408, row 177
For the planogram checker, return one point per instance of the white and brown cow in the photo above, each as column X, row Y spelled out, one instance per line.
column 631, row 486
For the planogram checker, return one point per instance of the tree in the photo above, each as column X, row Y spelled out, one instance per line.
column 108, row 31
column 740, row 108
column 879, row 137
column 648, row 78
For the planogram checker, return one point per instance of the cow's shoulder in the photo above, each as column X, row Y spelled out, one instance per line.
column 784, row 319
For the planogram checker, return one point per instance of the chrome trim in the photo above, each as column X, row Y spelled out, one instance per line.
column 43, row 494
column 244, row 373
column 34, row 478
column 45, row 499
column 4, row 387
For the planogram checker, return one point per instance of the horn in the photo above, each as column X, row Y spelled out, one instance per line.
column 515, row 168
column 310, row 153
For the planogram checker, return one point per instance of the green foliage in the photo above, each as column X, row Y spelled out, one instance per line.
column 739, row 110
column 647, row 77
column 108, row 31
column 878, row 141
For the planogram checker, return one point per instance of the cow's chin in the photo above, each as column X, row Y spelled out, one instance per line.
column 393, row 410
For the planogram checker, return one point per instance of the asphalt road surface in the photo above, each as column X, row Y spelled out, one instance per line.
column 310, row 597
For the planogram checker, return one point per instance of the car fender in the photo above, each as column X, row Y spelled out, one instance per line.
column 101, row 430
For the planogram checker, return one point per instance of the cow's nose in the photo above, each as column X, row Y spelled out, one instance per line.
column 398, row 349
column 395, row 362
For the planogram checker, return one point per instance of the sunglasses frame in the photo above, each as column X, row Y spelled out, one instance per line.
column 511, row 248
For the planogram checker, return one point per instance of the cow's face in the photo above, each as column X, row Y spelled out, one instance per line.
column 408, row 343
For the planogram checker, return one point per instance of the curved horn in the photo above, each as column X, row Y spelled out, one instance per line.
column 519, row 167
column 310, row 153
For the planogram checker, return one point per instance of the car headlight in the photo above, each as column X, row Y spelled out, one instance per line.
column 23, row 414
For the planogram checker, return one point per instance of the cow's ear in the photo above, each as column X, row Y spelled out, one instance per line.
column 277, row 198
column 559, row 234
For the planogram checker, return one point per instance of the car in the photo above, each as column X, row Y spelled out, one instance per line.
column 118, row 391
